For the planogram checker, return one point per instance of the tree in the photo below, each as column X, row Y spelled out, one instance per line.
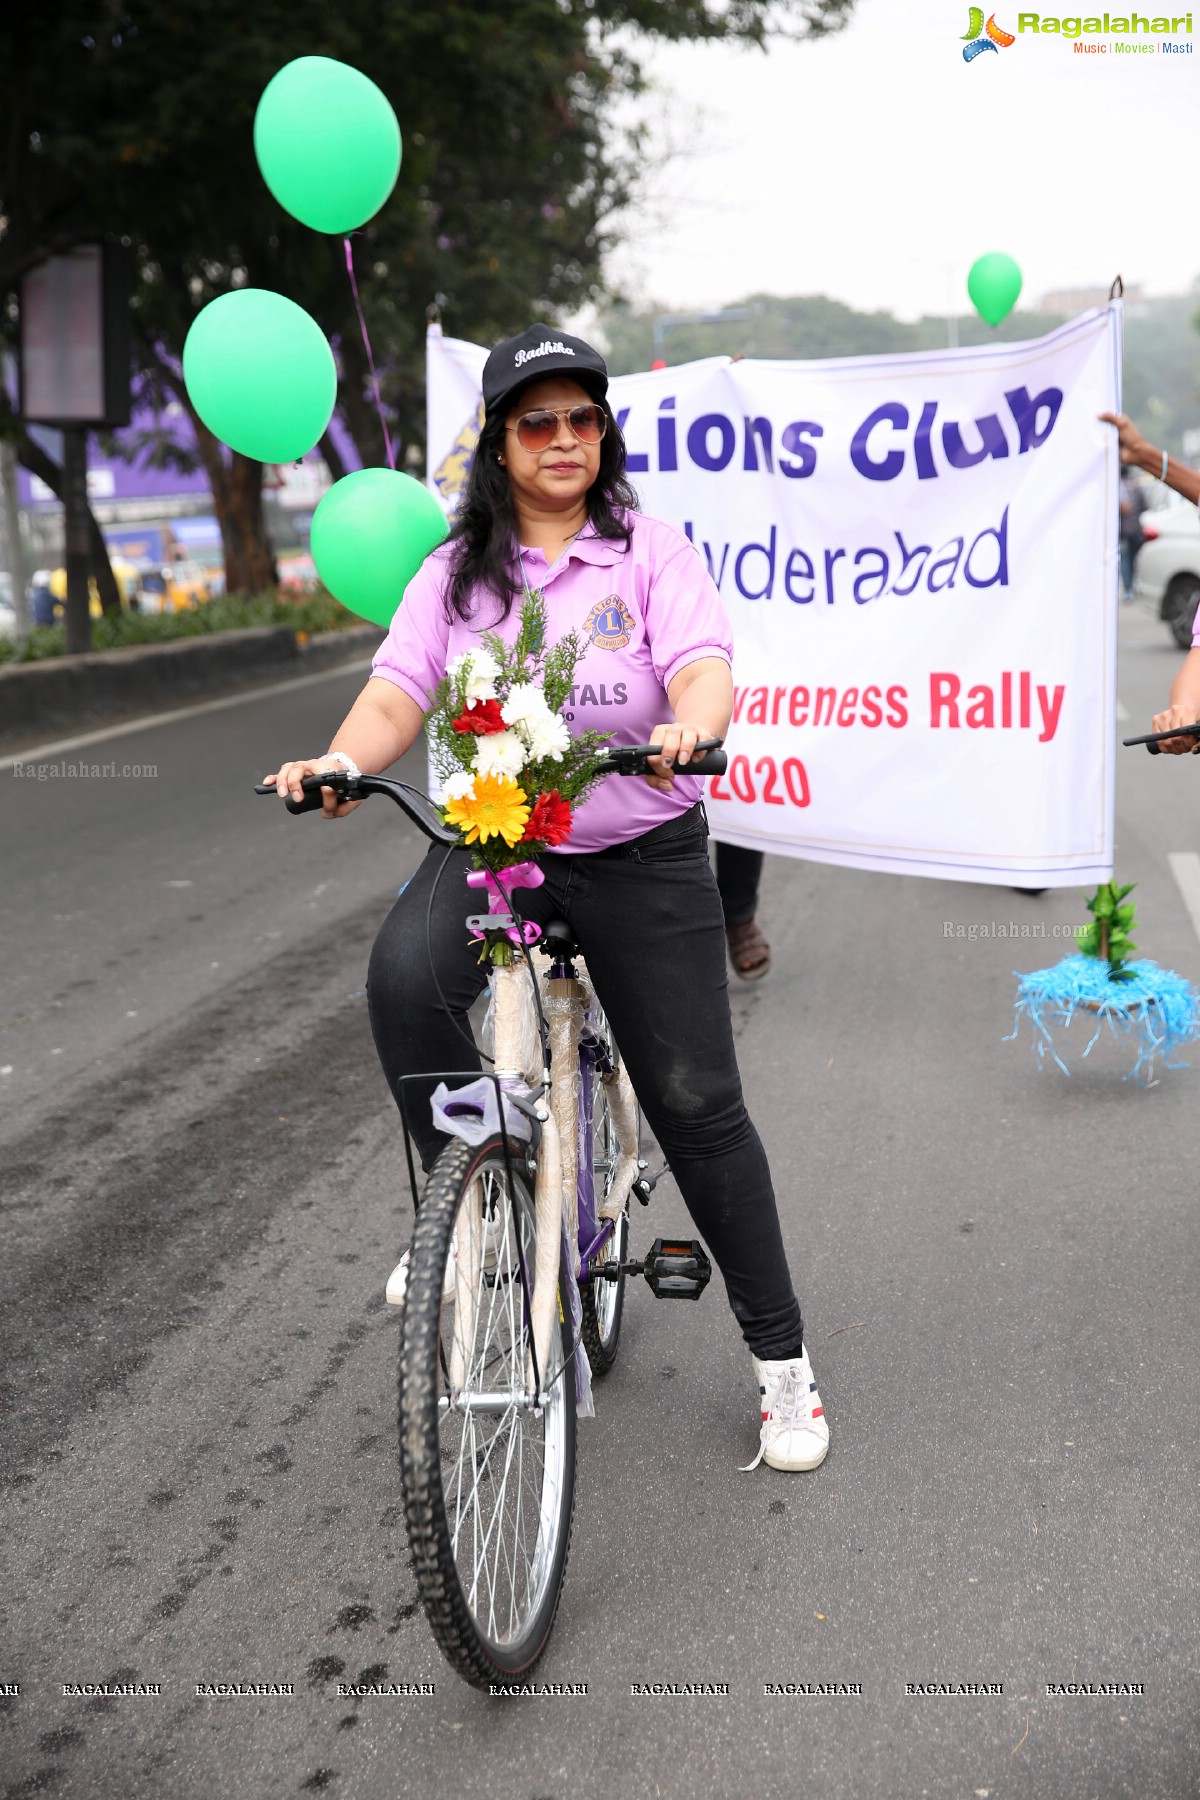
column 134, row 117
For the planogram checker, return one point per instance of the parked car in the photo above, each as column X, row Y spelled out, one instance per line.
column 189, row 584
column 125, row 574
column 298, row 574
column 1167, row 570
column 179, row 586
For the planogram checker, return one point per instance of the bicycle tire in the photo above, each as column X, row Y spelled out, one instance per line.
column 603, row 1301
column 434, row 1441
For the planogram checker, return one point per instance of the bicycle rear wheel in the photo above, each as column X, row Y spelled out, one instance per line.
column 489, row 1480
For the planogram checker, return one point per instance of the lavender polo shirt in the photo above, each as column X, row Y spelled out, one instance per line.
column 642, row 615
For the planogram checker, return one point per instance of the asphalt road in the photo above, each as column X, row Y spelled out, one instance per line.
column 203, row 1192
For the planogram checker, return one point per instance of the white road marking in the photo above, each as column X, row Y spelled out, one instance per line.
column 1185, row 867
column 40, row 752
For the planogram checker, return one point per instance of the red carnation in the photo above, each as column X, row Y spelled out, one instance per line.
column 549, row 820
column 482, row 717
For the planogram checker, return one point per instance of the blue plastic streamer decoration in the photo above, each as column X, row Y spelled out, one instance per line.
column 1156, row 1007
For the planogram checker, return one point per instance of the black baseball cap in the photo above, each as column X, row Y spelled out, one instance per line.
column 535, row 353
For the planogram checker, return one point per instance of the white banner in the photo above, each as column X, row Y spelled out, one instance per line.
column 918, row 555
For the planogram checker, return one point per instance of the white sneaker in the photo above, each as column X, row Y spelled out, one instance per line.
column 492, row 1246
column 794, row 1434
column 397, row 1282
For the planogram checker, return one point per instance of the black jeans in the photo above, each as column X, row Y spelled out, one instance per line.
column 648, row 919
column 739, row 872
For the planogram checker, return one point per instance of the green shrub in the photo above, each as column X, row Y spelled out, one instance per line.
column 314, row 612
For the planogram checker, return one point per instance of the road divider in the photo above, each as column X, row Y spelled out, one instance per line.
column 65, row 692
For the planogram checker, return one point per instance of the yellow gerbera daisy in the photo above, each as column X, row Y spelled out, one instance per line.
column 496, row 807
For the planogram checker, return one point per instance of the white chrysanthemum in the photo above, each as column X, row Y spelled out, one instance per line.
column 480, row 668
column 526, row 704
column 459, row 786
column 502, row 753
column 547, row 736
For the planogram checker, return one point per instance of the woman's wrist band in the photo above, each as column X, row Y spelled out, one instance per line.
column 339, row 756
column 1163, row 474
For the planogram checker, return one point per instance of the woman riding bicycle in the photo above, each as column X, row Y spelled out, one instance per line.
column 547, row 506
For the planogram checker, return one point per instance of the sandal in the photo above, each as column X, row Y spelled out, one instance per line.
column 749, row 951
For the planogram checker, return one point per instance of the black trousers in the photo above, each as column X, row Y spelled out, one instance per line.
column 648, row 919
column 739, row 872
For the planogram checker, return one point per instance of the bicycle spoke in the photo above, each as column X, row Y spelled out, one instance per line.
column 489, row 1472
column 497, row 1485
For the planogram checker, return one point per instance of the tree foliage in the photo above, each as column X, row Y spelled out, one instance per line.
column 134, row 118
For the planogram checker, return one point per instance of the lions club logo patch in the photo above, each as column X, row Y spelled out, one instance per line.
column 609, row 625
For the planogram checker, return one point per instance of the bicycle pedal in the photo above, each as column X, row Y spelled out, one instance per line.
column 677, row 1269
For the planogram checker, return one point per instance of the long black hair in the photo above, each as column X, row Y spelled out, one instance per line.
column 484, row 535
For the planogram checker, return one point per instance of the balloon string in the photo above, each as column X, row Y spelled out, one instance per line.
column 391, row 455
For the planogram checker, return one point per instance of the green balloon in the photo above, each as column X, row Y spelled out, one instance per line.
column 994, row 284
column 327, row 143
column 260, row 373
column 370, row 535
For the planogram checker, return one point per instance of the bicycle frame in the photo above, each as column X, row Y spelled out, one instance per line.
column 561, row 1150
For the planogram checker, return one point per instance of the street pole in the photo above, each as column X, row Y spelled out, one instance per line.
column 79, row 618
column 12, row 535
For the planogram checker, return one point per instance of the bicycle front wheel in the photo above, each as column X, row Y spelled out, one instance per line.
column 489, row 1477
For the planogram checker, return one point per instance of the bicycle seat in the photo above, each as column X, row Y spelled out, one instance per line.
column 558, row 941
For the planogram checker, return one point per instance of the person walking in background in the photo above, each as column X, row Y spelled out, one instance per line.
column 1133, row 505
column 739, row 873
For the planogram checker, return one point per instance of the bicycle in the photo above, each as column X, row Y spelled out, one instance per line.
column 522, row 1227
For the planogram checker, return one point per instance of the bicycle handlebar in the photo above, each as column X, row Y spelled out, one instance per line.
column 628, row 759
column 708, row 758
column 419, row 807
column 1156, row 737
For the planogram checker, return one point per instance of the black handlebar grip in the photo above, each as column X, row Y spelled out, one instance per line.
column 312, row 801
column 713, row 762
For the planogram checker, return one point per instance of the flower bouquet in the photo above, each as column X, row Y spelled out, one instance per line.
column 512, row 775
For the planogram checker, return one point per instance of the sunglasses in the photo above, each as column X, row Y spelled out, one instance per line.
column 538, row 430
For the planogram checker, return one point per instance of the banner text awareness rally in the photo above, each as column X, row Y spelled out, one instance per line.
column 917, row 555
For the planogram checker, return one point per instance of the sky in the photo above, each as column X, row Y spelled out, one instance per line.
column 875, row 166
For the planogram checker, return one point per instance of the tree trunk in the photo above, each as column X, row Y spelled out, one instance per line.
column 101, row 567
column 249, row 560
column 237, row 495
column 31, row 456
